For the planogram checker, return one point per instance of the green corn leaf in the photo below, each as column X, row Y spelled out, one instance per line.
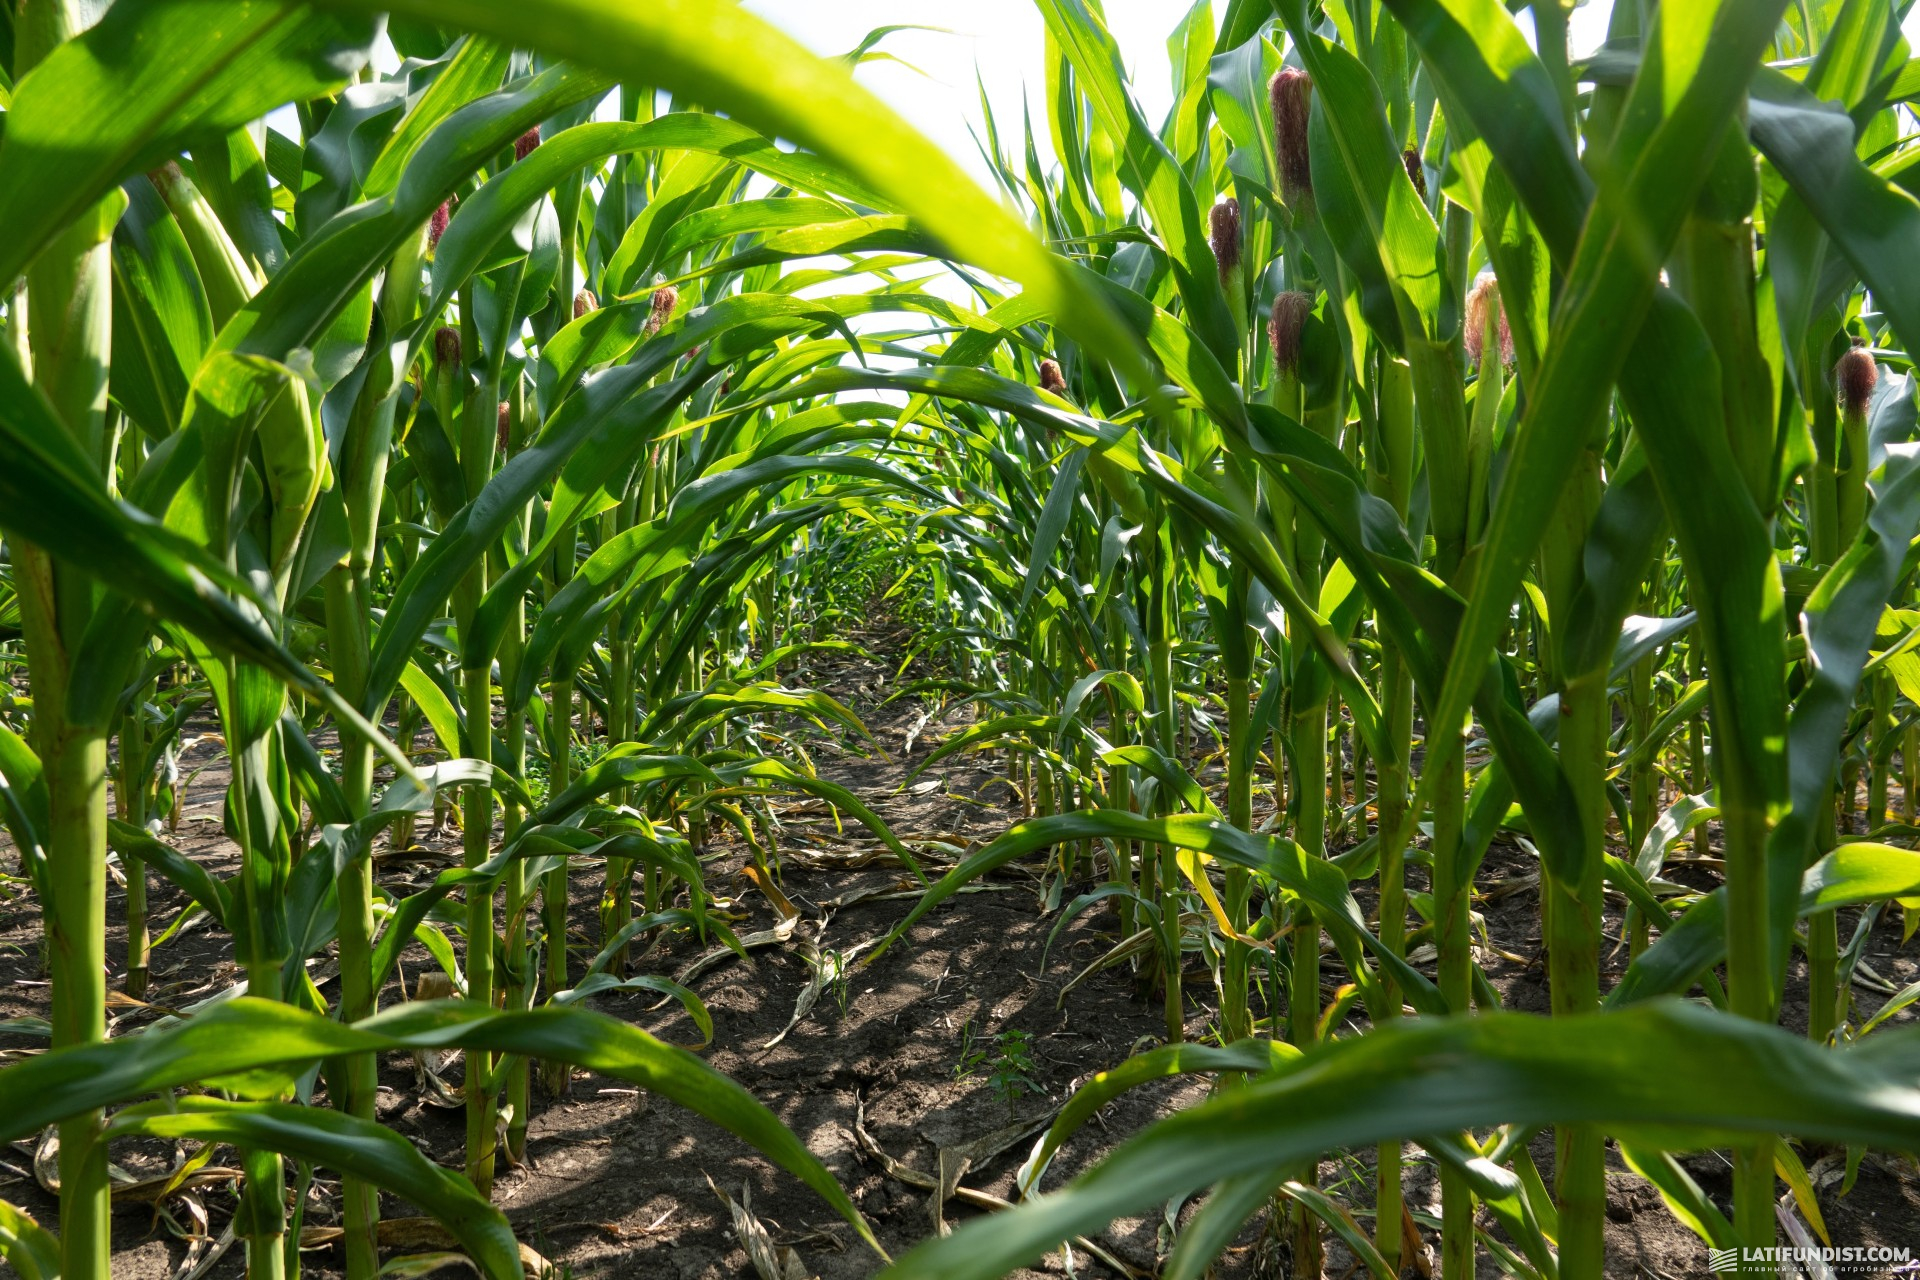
column 1839, row 621
column 338, row 259
column 611, row 408
column 476, row 70
column 29, row 1248
column 714, row 52
column 358, row 1148
column 47, row 496
column 1222, row 1217
column 1491, row 75
column 1253, row 1057
column 1873, row 222
column 1449, row 1073
column 245, row 1035
column 491, row 212
column 212, row 894
column 1852, row 875
column 1612, row 276
column 137, row 86
column 1148, row 168
column 1314, row 879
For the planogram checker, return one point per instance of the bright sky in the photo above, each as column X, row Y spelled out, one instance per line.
column 1004, row 39
column 1001, row 41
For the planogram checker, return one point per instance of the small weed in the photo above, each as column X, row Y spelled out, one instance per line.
column 1006, row 1060
column 837, row 965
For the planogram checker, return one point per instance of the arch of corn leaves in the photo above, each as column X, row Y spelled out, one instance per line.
column 280, row 437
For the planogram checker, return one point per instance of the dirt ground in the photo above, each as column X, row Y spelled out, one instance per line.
column 616, row 1184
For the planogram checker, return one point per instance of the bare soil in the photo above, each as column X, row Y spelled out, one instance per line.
column 616, row 1183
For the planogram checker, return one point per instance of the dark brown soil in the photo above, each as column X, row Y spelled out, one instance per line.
column 616, row 1183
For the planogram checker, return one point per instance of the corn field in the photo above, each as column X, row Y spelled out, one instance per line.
column 1416, row 552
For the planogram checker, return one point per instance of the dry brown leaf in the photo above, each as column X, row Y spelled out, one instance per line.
column 770, row 1261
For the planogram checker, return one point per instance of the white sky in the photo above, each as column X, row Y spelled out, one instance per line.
column 1004, row 39
column 1002, row 42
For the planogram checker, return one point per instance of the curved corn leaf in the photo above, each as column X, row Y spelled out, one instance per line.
column 29, row 1248
column 1429, row 1074
column 1255, row 1057
column 1315, row 880
column 243, row 1040
column 129, row 92
column 355, row 1147
column 733, row 61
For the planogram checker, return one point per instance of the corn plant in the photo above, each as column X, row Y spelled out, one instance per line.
column 1417, row 438
column 1461, row 259
column 315, row 396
